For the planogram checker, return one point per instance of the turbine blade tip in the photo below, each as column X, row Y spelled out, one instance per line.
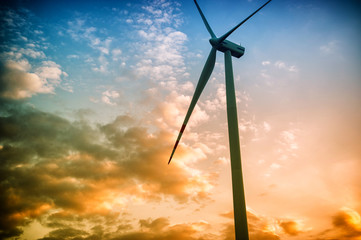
column 171, row 156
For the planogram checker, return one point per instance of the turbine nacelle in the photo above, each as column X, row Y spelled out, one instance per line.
column 225, row 45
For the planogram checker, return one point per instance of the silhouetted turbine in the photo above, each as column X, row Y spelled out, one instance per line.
column 229, row 49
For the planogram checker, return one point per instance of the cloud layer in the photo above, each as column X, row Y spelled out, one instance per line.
column 61, row 168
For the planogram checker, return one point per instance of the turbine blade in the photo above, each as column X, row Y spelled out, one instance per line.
column 205, row 20
column 203, row 79
column 221, row 39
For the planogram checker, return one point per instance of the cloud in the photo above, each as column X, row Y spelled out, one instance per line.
column 157, row 229
column 289, row 138
column 346, row 224
column 160, row 229
column 217, row 102
column 12, row 19
column 171, row 112
column 291, row 227
column 276, row 68
column 348, row 221
column 65, row 233
column 116, row 53
column 108, row 96
column 156, row 225
column 75, row 27
column 266, row 126
column 259, row 228
column 288, row 142
column 57, row 171
column 329, row 48
column 282, row 65
column 80, row 31
column 161, row 44
column 16, row 83
column 50, row 70
column 26, row 71
column 32, row 53
column 162, row 58
column 73, row 56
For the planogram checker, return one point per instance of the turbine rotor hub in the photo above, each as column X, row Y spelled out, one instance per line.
column 214, row 42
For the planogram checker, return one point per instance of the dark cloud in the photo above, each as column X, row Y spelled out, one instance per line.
column 157, row 229
column 156, row 225
column 65, row 233
column 16, row 83
column 348, row 222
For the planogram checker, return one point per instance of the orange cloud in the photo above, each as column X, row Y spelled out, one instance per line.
column 259, row 228
column 290, row 227
column 348, row 221
column 346, row 225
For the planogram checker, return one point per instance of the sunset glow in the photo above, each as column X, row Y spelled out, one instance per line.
column 93, row 95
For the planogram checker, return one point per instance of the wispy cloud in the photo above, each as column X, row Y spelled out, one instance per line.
column 329, row 48
column 82, row 31
column 270, row 69
column 284, row 66
column 109, row 96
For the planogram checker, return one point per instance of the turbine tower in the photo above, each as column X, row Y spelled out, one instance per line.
column 229, row 49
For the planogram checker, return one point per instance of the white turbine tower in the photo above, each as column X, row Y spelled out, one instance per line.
column 229, row 49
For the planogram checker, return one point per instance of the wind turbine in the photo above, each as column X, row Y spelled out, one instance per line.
column 229, row 49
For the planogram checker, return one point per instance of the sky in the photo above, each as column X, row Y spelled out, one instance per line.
column 93, row 94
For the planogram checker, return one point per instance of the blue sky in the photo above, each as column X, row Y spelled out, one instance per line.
column 93, row 95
